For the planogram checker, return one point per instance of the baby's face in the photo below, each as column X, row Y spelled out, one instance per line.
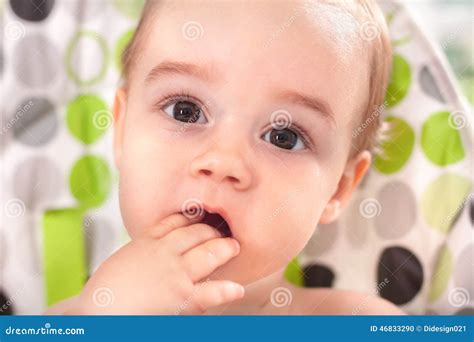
column 252, row 113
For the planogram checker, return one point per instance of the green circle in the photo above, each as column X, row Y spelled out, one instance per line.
column 441, row 275
column 90, row 181
column 70, row 52
column 440, row 140
column 293, row 273
column 130, row 8
column 443, row 198
column 120, row 47
column 397, row 149
column 82, row 120
column 400, row 81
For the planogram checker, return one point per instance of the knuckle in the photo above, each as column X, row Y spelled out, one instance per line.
column 198, row 307
column 181, row 286
column 164, row 227
column 161, row 248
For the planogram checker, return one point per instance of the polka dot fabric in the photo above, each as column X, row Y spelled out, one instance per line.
column 406, row 235
column 59, row 64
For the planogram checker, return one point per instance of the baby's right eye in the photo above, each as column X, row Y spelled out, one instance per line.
column 185, row 111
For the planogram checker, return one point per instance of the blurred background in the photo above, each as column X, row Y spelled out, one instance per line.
column 451, row 24
column 407, row 235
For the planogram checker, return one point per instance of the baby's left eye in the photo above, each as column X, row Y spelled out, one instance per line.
column 284, row 138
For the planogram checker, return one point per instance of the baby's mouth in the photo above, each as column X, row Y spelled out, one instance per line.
column 218, row 222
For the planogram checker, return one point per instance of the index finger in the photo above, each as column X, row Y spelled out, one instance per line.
column 172, row 222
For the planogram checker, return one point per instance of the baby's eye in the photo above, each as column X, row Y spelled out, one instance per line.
column 185, row 111
column 284, row 138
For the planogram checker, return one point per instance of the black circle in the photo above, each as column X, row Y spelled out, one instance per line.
column 1, row 62
column 472, row 212
column 467, row 311
column 401, row 274
column 316, row 275
column 6, row 307
column 32, row 10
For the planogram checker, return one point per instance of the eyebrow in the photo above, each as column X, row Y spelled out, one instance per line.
column 206, row 73
column 314, row 103
column 182, row 68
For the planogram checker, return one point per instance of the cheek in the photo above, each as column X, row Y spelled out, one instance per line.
column 291, row 224
column 149, row 171
column 285, row 222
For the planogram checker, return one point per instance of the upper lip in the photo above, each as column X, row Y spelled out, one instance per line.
column 221, row 211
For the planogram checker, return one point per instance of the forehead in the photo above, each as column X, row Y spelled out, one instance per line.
column 265, row 45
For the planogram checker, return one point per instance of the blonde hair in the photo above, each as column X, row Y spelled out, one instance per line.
column 373, row 32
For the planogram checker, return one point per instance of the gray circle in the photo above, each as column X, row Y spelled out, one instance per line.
column 3, row 249
column 34, row 121
column 428, row 84
column 322, row 239
column 463, row 270
column 5, row 138
column 35, row 61
column 85, row 9
column 2, row 61
column 358, row 230
column 399, row 210
column 37, row 181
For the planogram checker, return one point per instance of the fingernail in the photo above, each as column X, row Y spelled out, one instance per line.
column 239, row 289
column 236, row 247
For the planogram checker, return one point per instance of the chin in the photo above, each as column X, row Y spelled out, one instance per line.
column 242, row 272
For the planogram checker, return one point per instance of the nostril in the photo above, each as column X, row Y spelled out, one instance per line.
column 206, row 172
column 233, row 179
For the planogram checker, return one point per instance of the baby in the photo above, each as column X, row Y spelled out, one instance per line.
column 238, row 128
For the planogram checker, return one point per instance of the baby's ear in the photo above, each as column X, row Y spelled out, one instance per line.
column 353, row 173
column 119, row 109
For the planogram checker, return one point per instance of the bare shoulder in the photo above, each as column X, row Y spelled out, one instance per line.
column 327, row 301
column 62, row 307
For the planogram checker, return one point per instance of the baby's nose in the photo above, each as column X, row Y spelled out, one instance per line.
column 222, row 167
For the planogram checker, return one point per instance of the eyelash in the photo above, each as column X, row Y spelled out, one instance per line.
column 180, row 96
column 186, row 96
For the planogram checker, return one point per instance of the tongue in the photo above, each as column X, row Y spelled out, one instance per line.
column 218, row 222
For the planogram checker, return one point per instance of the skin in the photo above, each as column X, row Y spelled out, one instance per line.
column 274, row 197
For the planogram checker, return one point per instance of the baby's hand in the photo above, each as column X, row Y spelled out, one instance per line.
column 163, row 272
